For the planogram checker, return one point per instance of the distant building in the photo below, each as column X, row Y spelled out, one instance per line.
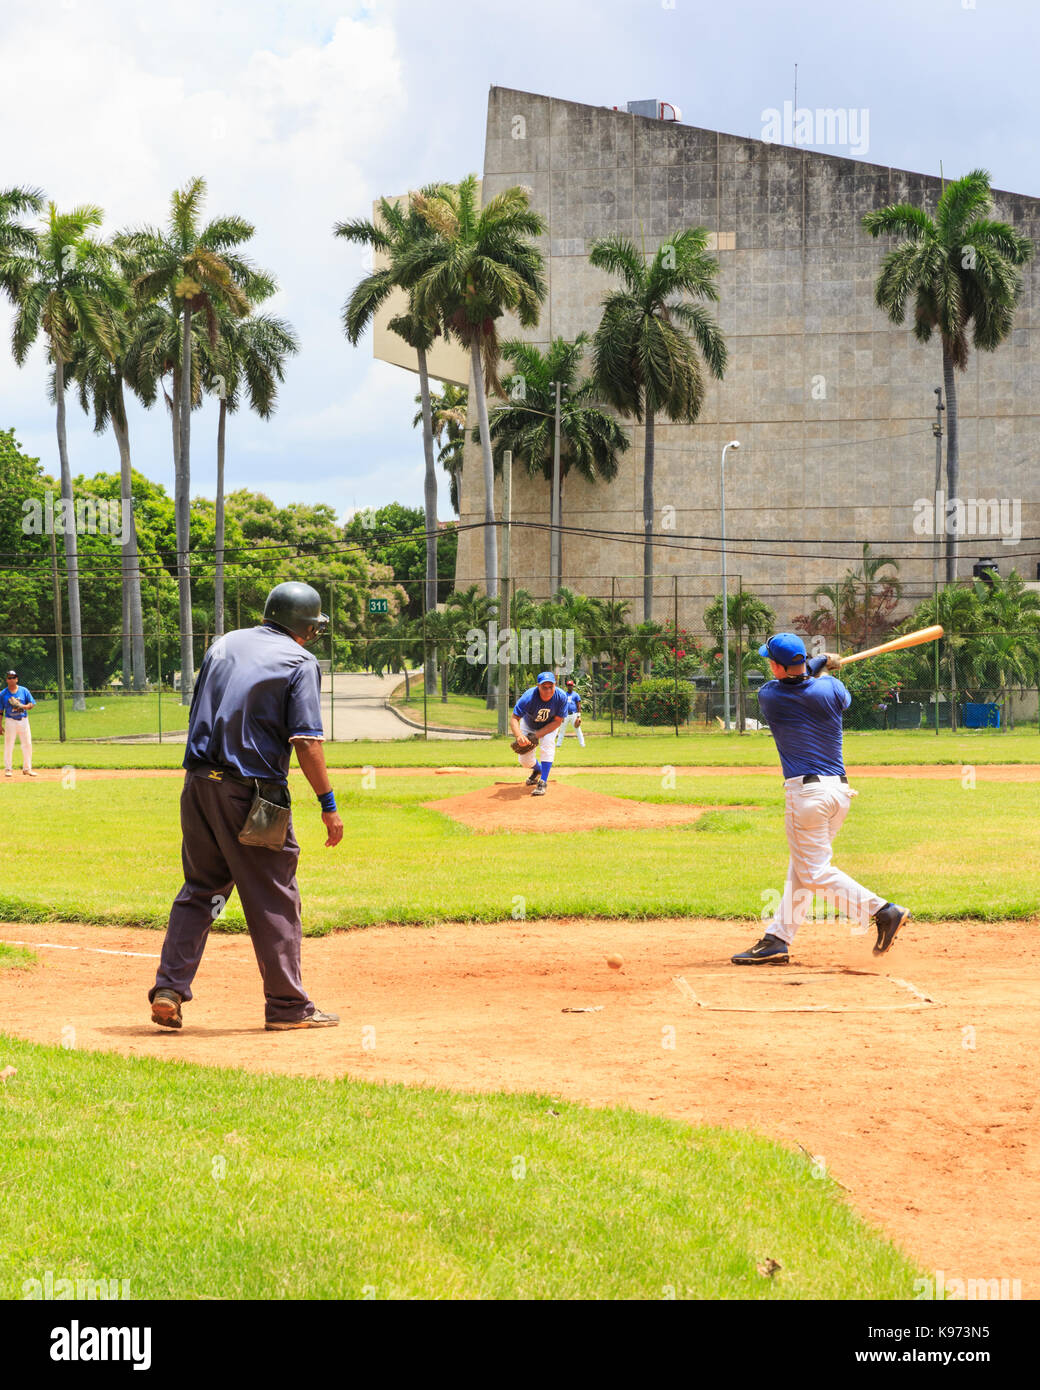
column 833, row 404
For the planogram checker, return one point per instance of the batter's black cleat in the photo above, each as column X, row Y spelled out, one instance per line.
column 166, row 1008
column 534, row 779
column 541, row 788
column 317, row 1019
column 769, row 951
column 888, row 921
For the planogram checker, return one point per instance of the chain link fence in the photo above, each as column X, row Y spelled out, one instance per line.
column 462, row 663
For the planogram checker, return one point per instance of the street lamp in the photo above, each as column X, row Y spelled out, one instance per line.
column 733, row 444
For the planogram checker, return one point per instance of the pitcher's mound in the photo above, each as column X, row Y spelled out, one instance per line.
column 510, row 806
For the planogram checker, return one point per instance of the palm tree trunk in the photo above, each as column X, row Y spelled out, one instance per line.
column 218, row 540
column 490, row 536
column 444, row 683
column 648, row 517
column 952, row 456
column 133, row 618
column 69, row 529
column 182, row 509
column 430, row 501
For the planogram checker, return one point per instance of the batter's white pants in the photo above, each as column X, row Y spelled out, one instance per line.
column 561, row 732
column 17, row 729
column 813, row 815
column 541, row 752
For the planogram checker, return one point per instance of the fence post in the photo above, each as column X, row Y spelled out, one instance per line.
column 58, row 641
column 425, row 723
column 158, row 651
column 332, row 661
column 613, row 664
column 675, row 648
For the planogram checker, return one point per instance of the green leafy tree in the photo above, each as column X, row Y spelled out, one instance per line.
column 65, row 287
column 650, row 342
column 448, row 416
column 474, row 265
column 962, row 271
column 591, row 440
column 197, row 271
column 396, row 232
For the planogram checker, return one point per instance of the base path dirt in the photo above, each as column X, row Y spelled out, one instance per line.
column 506, row 806
column 913, row 1078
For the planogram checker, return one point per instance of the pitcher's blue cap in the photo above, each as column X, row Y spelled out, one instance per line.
column 546, row 676
column 785, row 648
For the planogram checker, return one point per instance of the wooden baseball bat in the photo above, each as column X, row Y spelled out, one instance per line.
column 909, row 639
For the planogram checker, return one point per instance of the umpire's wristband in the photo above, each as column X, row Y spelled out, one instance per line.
column 327, row 801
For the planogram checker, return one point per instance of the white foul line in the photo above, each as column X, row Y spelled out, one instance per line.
column 97, row 950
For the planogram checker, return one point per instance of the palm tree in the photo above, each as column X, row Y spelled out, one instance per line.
column 962, row 270
column 842, row 599
column 590, row 439
column 203, row 274
column 475, row 264
column 397, row 231
column 448, row 416
column 647, row 343
column 249, row 356
column 959, row 612
column 867, row 576
column 1010, row 646
column 100, row 381
column 17, row 240
column 64, row 284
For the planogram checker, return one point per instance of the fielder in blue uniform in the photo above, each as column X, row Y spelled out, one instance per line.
column 537, row 715
column 15, row 704
column 572, row 719
column 804, row 710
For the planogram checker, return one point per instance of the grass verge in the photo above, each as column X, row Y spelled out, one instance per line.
column 270, row 1187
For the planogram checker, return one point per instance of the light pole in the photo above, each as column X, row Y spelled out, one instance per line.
column 733, row 444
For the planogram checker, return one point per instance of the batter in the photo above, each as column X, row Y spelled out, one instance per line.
column 804, row 712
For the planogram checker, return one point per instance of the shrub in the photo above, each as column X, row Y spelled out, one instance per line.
column 660, row 702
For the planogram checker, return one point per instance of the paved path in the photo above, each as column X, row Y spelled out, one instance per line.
column 360, row 712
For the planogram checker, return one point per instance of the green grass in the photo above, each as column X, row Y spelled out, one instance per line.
column 110, row 852
column 710, row 748
column 109, row 716
column 272, row 1187
column 16, row 957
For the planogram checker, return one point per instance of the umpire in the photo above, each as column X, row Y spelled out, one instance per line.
column 257, row 697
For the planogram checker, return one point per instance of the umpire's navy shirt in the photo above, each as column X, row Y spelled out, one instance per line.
column 257, row 690
column 805, row 720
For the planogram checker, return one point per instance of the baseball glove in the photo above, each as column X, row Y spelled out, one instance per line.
column 15, row 704
column 522, row 745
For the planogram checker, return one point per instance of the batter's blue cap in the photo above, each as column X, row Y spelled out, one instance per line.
column 546, row 676
column 785, row 648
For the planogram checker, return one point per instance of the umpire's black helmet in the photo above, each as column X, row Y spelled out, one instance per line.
column 297, row 608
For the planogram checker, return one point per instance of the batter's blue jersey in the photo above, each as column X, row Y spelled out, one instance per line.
column 805, row 720
column 535, row 711
column 20, row 693
column 257, row 690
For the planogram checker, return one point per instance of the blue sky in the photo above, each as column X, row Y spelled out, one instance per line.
column 298, row 115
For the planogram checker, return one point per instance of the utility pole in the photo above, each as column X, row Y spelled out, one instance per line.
column 937, row 430
column 59, row 641
column 503, row 608
column 554, row 549
column 733, row 444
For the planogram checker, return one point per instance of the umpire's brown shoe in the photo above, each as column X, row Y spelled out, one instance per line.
column 166, row 1008
column 317, row 1019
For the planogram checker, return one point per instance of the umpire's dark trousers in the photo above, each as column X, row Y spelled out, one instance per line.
column 212, row 814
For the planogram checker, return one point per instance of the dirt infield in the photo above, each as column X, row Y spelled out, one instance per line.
column 505, row 806
column 911, row 1078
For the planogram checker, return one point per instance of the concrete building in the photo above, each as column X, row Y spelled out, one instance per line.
column 833, row 404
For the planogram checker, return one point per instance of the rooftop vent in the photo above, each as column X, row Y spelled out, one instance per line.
column 656, row 110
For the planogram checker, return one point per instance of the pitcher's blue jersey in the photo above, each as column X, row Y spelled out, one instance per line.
column 534, row 711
